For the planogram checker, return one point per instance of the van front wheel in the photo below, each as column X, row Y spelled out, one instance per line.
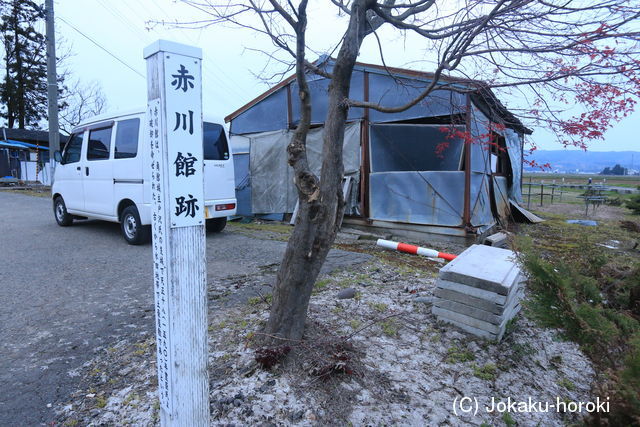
column 63, row 218
column 216, row 225
column 132, row 230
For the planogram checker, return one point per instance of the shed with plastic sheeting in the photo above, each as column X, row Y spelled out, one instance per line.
column 450, row 166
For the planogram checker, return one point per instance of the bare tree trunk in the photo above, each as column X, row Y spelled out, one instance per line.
column 321, row 205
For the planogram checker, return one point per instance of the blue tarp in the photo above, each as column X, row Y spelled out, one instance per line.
column 12, row 145
column 9, row 143
column 587, row 222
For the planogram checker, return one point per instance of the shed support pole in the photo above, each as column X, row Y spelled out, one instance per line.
column 364, row 162
column 289, row 108
column 467, row 169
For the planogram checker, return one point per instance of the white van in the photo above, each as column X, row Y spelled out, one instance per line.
column 105, row 168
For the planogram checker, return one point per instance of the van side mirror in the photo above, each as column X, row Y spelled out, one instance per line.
column 57, row 156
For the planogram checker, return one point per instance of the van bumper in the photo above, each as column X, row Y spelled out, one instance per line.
column 211, row 212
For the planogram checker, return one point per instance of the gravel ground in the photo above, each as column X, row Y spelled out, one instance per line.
column 71, row 295
column 376, row 358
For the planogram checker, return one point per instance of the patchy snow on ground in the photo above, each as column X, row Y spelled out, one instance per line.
column 377, row 358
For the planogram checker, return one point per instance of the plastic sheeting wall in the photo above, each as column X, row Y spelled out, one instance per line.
column 435, row 198
column 267, row 115
column 501, row 196
column 480, row 155
column 401, row 147
column 319, row 88
column 514, row 148
column 272, row 188
column 386, row 91
column 240, row 146
column 391, row 92
column 271, row 113
column 430, row 198
column 481, row 214
column 479, row 133
column 243, row 183
column 409, row 182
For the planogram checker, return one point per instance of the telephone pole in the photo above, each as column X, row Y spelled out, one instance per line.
column 52, row 86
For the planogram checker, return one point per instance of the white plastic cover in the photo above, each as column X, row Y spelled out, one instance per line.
column 272, row 187
column 514, row 148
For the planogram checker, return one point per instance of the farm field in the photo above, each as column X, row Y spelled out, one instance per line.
column 630, row 181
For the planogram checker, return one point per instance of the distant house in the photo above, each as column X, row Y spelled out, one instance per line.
column 24, row 153
column 408, row 172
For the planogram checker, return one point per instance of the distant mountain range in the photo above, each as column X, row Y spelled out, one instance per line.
column 577, row 161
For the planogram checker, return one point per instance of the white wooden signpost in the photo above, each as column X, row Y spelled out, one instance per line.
column 174, row 136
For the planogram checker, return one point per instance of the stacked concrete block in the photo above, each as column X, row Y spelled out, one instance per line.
column 499, row 240
column 480, row 291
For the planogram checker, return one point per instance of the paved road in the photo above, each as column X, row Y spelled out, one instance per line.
column 68, row 293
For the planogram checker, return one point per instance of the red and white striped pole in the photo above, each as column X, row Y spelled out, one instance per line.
column 417, row 250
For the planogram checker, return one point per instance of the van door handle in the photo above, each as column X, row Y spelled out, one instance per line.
column 78, row 168
column 86, row 170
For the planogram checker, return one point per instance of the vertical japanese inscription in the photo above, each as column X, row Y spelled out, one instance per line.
column 160, row 276
column 184, row 140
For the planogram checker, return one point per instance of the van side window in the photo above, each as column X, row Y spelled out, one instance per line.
column 73, row 149
column 99, row 142
column 127, row 139
column 214, row 142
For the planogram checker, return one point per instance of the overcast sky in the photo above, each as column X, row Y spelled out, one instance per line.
column 231, row 66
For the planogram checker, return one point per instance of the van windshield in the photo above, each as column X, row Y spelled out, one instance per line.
column 215, row 142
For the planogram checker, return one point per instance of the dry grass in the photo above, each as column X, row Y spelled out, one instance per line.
column 30, row 191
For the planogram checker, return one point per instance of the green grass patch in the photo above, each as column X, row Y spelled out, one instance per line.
column 337, row 309
column 456, row 354
column 378, row 306
column 520, row 351
column 275, row 227
column 633, row 203
column 101, row 402
column 322, row 284
column 131, row 397
column 488, row 372
column 389, row 327
column 592, row 294
column 254, row 301
column 508, row 419
column 566, row 384
column 352, row 281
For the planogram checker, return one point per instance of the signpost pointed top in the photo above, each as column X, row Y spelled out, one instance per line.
column 172, row 47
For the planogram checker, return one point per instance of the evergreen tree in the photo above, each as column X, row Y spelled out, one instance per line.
column 23, row 91
column 618, row 170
